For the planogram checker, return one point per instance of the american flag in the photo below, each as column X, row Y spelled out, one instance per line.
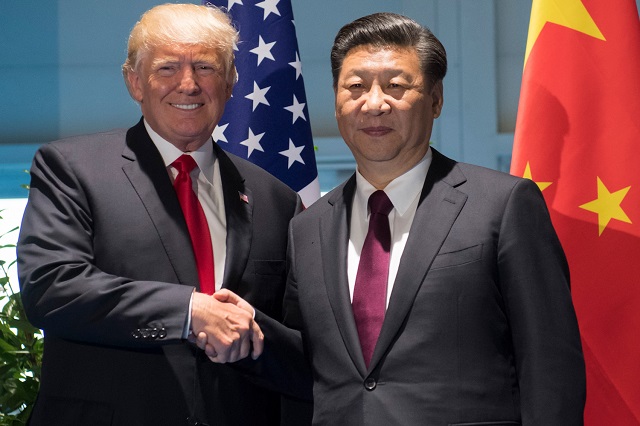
column 267, row 120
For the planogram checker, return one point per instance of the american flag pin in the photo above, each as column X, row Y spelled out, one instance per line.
column 244, row 197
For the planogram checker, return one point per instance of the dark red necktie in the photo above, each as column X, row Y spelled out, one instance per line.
column 370, row 291
column 196, row 223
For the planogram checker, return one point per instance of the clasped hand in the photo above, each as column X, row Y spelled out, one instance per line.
column 224, row 328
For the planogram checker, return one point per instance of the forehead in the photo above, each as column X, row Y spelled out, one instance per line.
column 368, row 59
column 183, row 53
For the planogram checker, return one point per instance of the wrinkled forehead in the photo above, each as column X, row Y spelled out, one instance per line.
column 182, row 53
column 380, row 58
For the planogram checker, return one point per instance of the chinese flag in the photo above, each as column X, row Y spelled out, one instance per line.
column 578, row 137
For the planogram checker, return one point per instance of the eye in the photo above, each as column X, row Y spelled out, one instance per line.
column 205, row 69
column 166, row 70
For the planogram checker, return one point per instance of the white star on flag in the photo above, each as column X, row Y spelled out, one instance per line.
column 252, row 142
column 258, row 96
column 293, row 154
column 297, row 65
column 218, row 133
column 269, row 6
column 297, row 109
column 263, row 50
column 232, row 2
column 262, row 103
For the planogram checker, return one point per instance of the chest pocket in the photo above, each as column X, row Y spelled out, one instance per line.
column 458, row 257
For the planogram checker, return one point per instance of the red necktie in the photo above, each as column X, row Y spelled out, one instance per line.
column 196, row 223
column 370, row 291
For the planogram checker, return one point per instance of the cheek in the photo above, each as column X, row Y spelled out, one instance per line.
column 344, row 121
column 160, row 90
column 347, row 110
column 218, row 93
column 159, row 87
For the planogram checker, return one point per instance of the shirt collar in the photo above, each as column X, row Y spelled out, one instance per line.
column 402, row 190
column 204, row 156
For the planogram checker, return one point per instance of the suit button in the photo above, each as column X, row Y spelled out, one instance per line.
column 370, row 384
column 162, row 333
column 136, row 334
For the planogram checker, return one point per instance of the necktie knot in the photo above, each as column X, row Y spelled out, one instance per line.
column 380, row 203
column 184, row 164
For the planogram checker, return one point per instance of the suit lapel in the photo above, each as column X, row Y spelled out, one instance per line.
column 334, row 237
column 439, row 205
column 148, row 176
column 238, row 213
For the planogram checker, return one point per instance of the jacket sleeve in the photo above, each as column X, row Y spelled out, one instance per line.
column 283, row 366
column 534, row 280
column 63, row 290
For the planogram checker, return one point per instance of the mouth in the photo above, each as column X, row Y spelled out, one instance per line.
column 186, row 107
column 376, row 131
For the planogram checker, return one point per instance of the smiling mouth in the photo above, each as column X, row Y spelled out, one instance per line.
column 186, row 106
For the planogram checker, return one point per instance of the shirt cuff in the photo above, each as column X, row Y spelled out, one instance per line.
column 187, row 326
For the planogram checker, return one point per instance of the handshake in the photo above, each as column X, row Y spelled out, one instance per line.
column 222, row 325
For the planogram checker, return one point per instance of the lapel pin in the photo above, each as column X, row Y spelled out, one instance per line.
column 244, row 197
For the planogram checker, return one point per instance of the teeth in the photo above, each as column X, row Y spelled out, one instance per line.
column 186, row 106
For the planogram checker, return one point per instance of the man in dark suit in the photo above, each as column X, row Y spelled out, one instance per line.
column 474, row 323
column 105, row 258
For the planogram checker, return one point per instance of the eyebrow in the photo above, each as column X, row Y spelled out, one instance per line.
column 178, row 60
column 164, row 60
column 361, row 72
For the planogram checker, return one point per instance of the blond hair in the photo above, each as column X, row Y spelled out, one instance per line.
column 176, row 24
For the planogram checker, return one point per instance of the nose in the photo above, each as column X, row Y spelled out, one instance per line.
column 375, row 101
column 188, row 83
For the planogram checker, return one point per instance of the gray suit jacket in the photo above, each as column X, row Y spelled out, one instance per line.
column 480, row 328
column 107, row 270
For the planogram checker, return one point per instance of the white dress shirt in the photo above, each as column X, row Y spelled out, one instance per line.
column 404, row 193
column 208, row 185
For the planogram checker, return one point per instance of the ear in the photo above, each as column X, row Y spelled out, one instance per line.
column 229, row 91
column 437, row 94
column 232, row 79
column 134, row 84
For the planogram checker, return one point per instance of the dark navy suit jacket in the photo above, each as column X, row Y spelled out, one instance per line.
column 107, row 270
column 480, row 327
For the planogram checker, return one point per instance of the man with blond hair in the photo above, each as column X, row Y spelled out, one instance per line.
column 119, row 278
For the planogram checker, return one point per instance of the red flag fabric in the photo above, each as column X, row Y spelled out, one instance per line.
column 578, row 136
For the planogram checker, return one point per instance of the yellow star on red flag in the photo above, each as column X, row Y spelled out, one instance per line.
column 578, row 51
column 567, row 13
column 607, row 206
column 527, row 174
